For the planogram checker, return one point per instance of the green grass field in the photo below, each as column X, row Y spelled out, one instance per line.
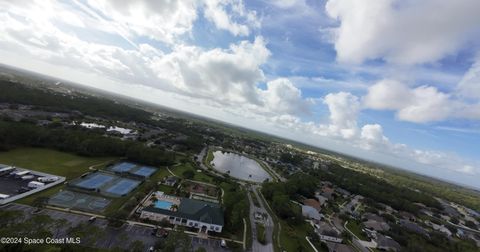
column 261, row 233
column 292, row 238
column 51, row 161
column 209, row 156
column 199, row 176
column 357, row 230
column 70, row 166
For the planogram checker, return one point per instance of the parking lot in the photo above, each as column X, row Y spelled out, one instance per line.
column 112, row 237
column 209, row 244
column 11, row 185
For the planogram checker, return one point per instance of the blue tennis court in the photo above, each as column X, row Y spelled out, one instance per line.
column 95, row 181
column 145, row 171
column 123, row 187
column 123, row 167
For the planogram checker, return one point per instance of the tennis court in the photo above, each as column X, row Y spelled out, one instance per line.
column 122, row 187
column 144, row 171
column 123, row 167
column 80, row 201
column 95, row 181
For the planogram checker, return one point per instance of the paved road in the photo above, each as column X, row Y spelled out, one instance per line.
column 268, row 222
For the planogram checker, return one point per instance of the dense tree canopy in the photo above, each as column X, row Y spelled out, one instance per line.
column 379, row 190
column 80, row 141
column 94, row 106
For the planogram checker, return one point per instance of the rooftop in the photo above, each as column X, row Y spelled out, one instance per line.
column 194, row 210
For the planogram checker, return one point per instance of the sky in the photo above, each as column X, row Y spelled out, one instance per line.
column 394, row 81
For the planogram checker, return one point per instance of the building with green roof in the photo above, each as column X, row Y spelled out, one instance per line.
column 205, row 216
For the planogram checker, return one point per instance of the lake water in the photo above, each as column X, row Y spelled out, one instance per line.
column 239, row 166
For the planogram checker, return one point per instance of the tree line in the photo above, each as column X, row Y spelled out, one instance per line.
column 79, row 141
column 400, row 198
column 60, row 102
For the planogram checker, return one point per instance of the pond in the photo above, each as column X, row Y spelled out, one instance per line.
column 239, row 166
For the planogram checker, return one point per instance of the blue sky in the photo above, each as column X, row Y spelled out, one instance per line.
column 388, row 80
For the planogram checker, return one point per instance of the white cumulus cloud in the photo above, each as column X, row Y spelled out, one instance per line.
column 216, row 12
column 344, row 108
column 420, row 104
column 402, row 32
column 469, row 86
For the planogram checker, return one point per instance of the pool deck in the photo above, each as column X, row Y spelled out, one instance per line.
column 160, row 196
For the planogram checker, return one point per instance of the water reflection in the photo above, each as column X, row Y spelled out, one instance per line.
column 239, row 166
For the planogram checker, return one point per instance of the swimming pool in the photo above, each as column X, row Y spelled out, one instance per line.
column 163, row 204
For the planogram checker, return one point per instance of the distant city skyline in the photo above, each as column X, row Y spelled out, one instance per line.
column 393, row 81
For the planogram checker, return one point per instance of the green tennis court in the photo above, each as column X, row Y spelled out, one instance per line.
column 79, row 201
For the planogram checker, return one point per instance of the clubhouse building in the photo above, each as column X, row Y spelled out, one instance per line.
column 201, row 215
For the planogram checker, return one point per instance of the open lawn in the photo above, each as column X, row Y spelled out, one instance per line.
column 200, row 176
column 51, row 161
column 209, row 158
column 159, row 175
column 261, row 233
column 292, row 238
column 355, row 227
column 70, row 166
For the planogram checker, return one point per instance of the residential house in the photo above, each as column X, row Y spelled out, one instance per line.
column 170, row 181
column 311, row 213
column 338, row 247
column 386, row 243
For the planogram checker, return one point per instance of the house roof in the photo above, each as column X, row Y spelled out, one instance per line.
column 338, row 247
column 192, row 209
column 413, row 227
column 172, row 179
column 387, row 243
column 313, row 203
column 310, row 212
column 376, row 225
column 371, row 216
